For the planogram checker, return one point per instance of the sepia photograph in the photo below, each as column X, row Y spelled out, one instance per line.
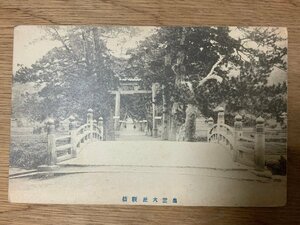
column 144, row 115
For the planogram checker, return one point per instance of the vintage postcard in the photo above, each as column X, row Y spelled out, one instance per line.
column 175, row 116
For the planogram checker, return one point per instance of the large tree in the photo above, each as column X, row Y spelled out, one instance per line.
column 75, row 76
column 201, row 68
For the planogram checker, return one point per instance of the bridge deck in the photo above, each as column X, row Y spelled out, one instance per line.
column 194, row 173
column 155, row 154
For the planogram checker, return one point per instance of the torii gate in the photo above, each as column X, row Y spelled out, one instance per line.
column 134, row 83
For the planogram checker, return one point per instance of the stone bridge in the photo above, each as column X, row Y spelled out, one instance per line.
column 226, row 147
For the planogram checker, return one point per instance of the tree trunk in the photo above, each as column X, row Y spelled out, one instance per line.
column 164, row 135
column 179, row 71
column 174, row 123
column 190, row 123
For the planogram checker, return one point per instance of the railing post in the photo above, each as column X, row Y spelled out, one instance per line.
column 100, row 124
column 72, row 129
column 284, row 117
column 259, row 155
column 90, row 122
column 238, row 132
column 221, row 120
column 52, row 158
column 210, row 124
column 94, row 129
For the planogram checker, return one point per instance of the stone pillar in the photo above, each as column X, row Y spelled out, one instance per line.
column 90, row 117
column 145, row 122
column 221, row 120
column 221, row 116
column 72, row 130
column 154, row 127
column 238, row 132
column 285, row 122
column 141, row 125
column 117, row 111
column 210, row 124
column 52, row 158
column 100, row 122
column 259, row 154
column 90, row 122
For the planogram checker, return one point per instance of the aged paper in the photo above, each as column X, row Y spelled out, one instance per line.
column 193, row 116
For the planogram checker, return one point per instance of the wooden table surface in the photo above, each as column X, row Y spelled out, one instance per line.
column 147, row 12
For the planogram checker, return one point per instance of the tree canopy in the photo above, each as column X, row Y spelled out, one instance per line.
column 212, row 66
column 202, row 66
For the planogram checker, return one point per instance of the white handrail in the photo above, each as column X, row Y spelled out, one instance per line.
column 79, row 129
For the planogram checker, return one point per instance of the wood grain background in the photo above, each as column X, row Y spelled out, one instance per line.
column 146, row 12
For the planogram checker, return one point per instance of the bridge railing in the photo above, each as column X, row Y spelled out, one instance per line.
column 61, row 148
column 247, row 150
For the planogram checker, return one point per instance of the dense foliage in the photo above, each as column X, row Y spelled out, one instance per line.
column 204, row 67
column 74, row 77
column 211, row 66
